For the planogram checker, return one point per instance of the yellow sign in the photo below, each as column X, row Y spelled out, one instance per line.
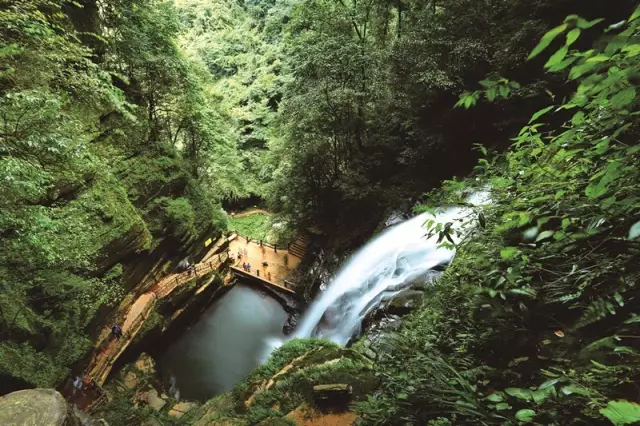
column 208, row 242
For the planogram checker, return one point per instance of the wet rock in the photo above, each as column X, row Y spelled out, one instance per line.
column 426, row 280
column 391, row 322
column 370, row 353
column 406, row 302
column 182, row 408
column 34, row 407
column 394, row 218
column 154, row 401
column 332, row 396
column 290, row 324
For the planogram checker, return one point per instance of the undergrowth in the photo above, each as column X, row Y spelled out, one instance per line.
column 536, row 321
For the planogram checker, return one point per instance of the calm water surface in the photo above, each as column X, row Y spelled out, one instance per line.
column 227, row 343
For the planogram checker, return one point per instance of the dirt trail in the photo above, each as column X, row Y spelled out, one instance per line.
column 249, row 212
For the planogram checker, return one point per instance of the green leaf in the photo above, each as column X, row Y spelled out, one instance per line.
column 598, row 59
column 586, row 25
column 580, row 70
column 525, row 291
column 547, row 39
column 540, row 113
column 634, row 318
column 539, row 395
column 495, row 397
column 508, row 253
column 564, row 64
column 572, row 36
column 635, row 15
column 549, row 383
column 502, row 406
column 578, row 118
column 622, row 412
column 575, row 389
column 525, row 415
column 402, row 396
column 557, row 57
column 624, row 97
column 491, row 94
column 520, row 393
column 544, row 235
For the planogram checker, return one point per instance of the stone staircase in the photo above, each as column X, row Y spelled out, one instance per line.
column 299, row 247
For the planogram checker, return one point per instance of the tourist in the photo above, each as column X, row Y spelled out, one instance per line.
column 265, row 263
column 77, row 385
column 116, row 330
column 258, row 272
column 183, row 265
column 269, row 276
column 239, row 254
column 248, row 267
column 87, row 383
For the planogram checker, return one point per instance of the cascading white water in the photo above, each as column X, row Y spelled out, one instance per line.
column 384, row 267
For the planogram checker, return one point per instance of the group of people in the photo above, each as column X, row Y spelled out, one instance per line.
column 246, row 267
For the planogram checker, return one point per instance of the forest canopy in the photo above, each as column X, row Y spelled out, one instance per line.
column 127, row 125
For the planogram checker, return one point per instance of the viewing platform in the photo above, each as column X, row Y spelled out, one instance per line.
column 260, row 279
column 274, row 263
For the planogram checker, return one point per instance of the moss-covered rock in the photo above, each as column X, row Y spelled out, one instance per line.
column 287, row 380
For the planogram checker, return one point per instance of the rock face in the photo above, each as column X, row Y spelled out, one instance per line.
column 290, row 324
column 35, row 407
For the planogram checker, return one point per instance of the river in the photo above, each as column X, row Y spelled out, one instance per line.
column 225, row 345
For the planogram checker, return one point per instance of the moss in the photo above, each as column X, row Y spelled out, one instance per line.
column 316, row 362
column 322, row 366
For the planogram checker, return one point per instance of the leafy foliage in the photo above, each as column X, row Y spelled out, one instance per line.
column 100, row 117
column 536, row 316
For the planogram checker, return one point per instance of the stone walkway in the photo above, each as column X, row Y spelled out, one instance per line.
column 108, row 349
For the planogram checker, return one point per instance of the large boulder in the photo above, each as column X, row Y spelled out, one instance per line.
column 35, row 407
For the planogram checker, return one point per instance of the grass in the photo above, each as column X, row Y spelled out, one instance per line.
column 255, row 226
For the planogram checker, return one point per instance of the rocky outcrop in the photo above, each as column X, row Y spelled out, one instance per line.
column 315, row 387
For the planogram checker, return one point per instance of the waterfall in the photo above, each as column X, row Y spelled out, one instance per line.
column 384, row 267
